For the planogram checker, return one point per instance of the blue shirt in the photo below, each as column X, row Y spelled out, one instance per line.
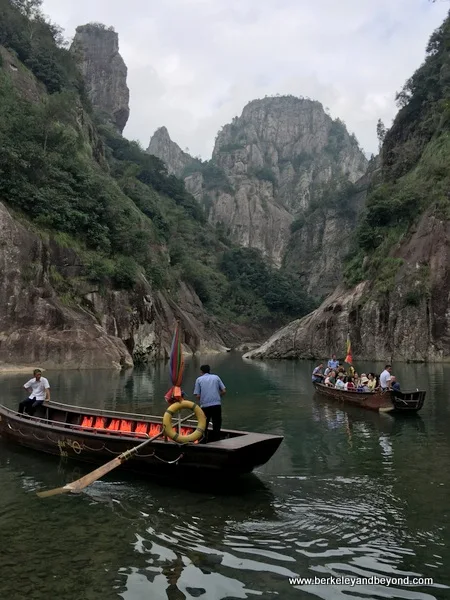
column 333, row 364
column 316, row 372
column 208, row 387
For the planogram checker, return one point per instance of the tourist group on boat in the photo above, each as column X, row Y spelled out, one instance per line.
column 336, row 376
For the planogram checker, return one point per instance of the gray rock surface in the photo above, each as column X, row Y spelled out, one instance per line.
column 169, row 152
column 51, row 316
column 104, row 70
column 409, row 323
column 270, row 166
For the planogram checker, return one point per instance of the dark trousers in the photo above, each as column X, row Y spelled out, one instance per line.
column 214, row 414
column 29, row 405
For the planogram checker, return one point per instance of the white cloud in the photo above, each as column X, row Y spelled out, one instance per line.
column 194, row 64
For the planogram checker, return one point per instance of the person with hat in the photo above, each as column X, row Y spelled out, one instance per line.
column 364, row 387
column 38, row 390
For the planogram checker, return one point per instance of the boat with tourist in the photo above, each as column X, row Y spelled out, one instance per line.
column 96, row 436
column 382, row 394
column 378, row 400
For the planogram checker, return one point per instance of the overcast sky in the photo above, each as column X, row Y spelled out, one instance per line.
column 194, row 64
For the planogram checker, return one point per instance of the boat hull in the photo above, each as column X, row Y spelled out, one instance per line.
column 235, row 454
column 389, row 401
column 408, row 402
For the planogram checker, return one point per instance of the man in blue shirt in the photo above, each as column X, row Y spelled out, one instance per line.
column 209, row 390
column 333, row 363
column 317, row 374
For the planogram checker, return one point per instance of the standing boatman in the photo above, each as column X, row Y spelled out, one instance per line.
column 333, row 363
column 209, row 389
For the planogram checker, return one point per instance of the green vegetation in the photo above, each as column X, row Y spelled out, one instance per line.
column 214, row 178
column 264, row 174
column 72, row 177
column 415, row 176
column 336, row 138
column 279, row 294
column 39, row 45
column 335, row 195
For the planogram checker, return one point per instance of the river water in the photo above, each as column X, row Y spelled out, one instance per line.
column 348, row 493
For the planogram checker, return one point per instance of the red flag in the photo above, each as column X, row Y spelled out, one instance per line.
column 349, row 358
column 176, row 368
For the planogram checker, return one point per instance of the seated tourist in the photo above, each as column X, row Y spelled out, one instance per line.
column 364, row 385
column 331, row 379
column 340, row 385
column 373, row 384
column 317, row 374
column 349, row 386
column 395, row 384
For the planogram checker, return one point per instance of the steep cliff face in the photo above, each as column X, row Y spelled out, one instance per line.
column 51, row 316
column 105, row 73
column 322, row 235
column 273, row 165
column 395, row 303
column 411, row 323
column 280, row 157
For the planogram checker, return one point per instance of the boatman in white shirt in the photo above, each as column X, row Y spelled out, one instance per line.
column 38, row 389
column 209, row 389
column 385, row 378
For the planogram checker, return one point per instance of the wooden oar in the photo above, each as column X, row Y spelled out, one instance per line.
column 83, row 482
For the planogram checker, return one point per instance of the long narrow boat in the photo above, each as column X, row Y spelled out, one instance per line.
column 389, row 401
column 97, row 436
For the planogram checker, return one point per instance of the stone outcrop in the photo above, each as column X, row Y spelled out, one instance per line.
column 50, row 316
column 410, row 323
column 169, row 152
column 105, row 73
column 322, row 235
column 274, row 165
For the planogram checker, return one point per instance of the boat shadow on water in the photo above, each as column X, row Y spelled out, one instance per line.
column 40, row 470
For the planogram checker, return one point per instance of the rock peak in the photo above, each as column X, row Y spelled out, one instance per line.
column 168, row 151
column 97, row 49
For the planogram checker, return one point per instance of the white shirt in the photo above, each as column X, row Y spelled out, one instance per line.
column 340, row 385
column 38, row 388
column 385, row 378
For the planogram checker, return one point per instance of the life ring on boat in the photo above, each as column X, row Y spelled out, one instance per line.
column 172, row 433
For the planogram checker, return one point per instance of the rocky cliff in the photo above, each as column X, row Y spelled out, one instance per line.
column 271, row 168
column 168, row 151
column 411, row 323
column 105, row 73
column 396, row 296
column 52, row 317
column 101, row 251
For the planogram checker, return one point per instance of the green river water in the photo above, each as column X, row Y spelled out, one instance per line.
column 347, row 493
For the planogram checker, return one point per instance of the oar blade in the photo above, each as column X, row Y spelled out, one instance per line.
column 83, row 482
column 54, row 492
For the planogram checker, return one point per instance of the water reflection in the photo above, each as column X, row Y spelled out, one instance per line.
column 348, row 492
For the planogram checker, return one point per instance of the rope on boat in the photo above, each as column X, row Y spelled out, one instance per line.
column 103, row 447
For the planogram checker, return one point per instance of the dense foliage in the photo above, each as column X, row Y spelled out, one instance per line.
column 76, row 178
column 39, row 45
column 415, row 156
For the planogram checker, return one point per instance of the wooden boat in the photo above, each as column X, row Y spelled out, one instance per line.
column 407, row 402
column 75, row 432
column 378, row 400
